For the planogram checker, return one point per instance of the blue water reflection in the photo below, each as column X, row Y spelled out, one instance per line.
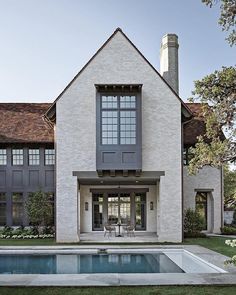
column 84, row 263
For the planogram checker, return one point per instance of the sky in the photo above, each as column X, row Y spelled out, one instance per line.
column 44, row 43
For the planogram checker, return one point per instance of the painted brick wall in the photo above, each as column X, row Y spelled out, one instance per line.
column 119, row 62
column 207, row 178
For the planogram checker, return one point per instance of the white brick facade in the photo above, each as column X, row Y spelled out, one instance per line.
column 119, row 62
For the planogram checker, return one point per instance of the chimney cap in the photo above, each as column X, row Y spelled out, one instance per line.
column 169, row 40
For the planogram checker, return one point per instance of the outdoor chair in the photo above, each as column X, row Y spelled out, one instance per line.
column 109, row 229
column 130, row 230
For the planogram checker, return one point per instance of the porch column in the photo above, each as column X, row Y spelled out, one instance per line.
column 67, row 214
column 78, row 212
column 170, row 208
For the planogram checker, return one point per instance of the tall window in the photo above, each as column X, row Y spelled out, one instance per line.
column 187, row 155
column 118, row 119
column 34, row 157
column 3, row 209
column 140, row 211
column 17, row 157
column 3, row 157
column 201, row 206
column 49, row 156
column 17, row 208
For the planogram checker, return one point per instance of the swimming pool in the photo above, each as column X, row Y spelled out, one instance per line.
column 128, row 261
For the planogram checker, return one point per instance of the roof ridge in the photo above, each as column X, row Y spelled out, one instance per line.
column 118, row 29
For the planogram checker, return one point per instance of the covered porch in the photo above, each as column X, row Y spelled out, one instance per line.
column 118, row 202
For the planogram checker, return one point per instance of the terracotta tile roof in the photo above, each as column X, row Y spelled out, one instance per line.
column 23, row 122
column 194, row 127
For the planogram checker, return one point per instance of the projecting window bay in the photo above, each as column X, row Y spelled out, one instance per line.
column 118, row 122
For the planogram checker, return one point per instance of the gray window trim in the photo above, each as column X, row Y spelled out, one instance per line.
column 118, row 149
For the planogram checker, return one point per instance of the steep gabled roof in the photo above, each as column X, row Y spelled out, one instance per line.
column 23, row 123
column 196, row 126
column 50, row 114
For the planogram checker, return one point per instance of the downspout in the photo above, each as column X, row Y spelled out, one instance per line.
column 222, row 195
column 182, row 176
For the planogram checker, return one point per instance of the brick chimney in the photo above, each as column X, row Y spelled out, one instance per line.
column 169, row 61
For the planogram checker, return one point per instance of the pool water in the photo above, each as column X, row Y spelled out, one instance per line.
column 88, row 263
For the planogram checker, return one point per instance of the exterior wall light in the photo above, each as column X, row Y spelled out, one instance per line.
column 151, row 205
column 86, row 206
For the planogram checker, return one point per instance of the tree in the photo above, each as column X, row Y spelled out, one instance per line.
column 227, row 17
column 229, row 187
column 39, row 209
column 217, row 93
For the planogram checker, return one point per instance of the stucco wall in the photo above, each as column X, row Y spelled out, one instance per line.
column 119, row 63
column 207, row 178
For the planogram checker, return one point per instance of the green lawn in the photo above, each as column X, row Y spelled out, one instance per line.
column 214, row 243
column 164, row 290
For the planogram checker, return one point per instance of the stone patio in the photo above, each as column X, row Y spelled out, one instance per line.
column 98, row 237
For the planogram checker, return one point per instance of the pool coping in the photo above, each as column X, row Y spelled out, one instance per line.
column 119, row 279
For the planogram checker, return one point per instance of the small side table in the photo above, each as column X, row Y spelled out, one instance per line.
column 119, row 234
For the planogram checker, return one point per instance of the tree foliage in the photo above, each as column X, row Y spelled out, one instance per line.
column 229, row 187
column 39, row 209
column 227, row 18
column 217, row 93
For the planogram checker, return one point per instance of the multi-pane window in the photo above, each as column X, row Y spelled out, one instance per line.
column 128, row 102
column 3, row 209
column 187, row 156
column 201, row 206
column 127, row 127
column 118, row 119
column 140, row 211
column 109, row 127
column 49, row 156
column 3, row 157
column 34, row 157
column 17, row 208
column 17, row 157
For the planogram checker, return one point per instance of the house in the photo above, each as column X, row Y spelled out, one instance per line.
column 122, row 136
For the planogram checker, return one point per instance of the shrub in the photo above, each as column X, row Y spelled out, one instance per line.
column 193, row 224
column 24, row 233
column 7, row 230
column 231, row 243
column 228, row 230
column 234, row 219
column 39, row 210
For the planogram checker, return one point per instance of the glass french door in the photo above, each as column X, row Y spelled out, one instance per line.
column 140, row 211
column 98, row 211
column 119, row 207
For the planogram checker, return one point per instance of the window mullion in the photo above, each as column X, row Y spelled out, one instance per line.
column 118, row 117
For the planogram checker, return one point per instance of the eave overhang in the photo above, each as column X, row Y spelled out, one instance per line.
column 92, row 178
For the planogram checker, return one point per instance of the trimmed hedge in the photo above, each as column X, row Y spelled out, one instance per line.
column 228, row 230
